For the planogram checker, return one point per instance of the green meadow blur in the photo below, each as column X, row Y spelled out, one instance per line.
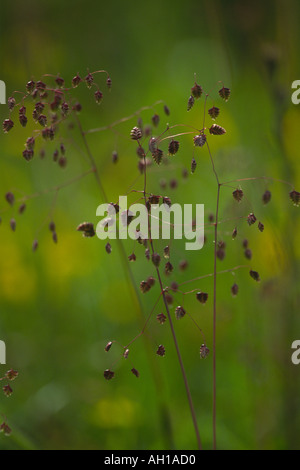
column 61, row 305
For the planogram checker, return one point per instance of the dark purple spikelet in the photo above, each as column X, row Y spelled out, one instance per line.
column 108, row 82
column 248, row 253
column 191, row 102
column 202, row 297
column 40, row 85
column 214, row 112
column 193, row 165
column 199, row 140
column 255, row 275
column 11, row 374
column 136, row 133
column 168, row 268
column 30, row 86
column 11, row 103
column 87, row 229
column 28, row 154
column 196, row 91
column 215, row 129
column 224, row 93
column 204, row 351
column 157, row 156
column 156, row 259
column 161, row 351
column 155, row 120
column 108, row 248
column 89, row 79
column 234, row 290
column 35, row 245
column 7, row 390
column 145, row 287
column 30, row 143
column 108, row 346
column 234, row 233
column 173, row 147
column 22, row 208
column 238, row 195
column 166, row 110
column 135, row 372
column 179, row 312
column 5, row 429
column 108, row 374
column 261, row 226
column 54, row 237
column 75, row 81
column 167, row 252
column 7, row 125
column 267, row 196
column 152, row 144
column 64, row 108
column 132, row 257
column 251, row 219
column 10, row 198
column 98, row 96
column 59, row 81
column 295, row 198
column 161, row 318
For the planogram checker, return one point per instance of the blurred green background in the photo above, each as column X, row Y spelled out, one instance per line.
column 60, row 305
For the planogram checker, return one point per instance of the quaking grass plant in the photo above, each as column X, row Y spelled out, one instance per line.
column 54, row 108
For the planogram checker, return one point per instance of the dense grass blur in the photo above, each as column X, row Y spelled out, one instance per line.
column 60, row 305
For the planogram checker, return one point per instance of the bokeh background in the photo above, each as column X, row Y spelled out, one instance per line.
column 60, row 305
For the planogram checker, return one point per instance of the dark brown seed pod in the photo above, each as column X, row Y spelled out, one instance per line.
column 168, row 268
column 30, row 86
column 42, row 120
column 108, row 374
column 28, row 154
column 261, row 227
column 224, row 93
column 161, row 351
column 166, row 110
column 75, row 81
column 89, row 79
column 152, row 144
column 87, row 229
column 214, row 112
column 11, row 374
column 202, row 297
column 179, row 312
column 98, row 96
column 221, row 254
column 144, row 287
column 215, row 129
column 248, row 253
column 196, row 91
column 295, row 198
column 167, row 252
column 11, row 103
column 35, row 245
column 191, row 102
column 238, row 195
column 135, row 372
column 204, row 351
column 151, row 281
column 267, row 197
column 108, row 346
column 251, row 219
column 156, row 259
column 255, row 275
column 245, row 243
column 40, row 85
column 10, row 198
column 13, row 224
column 30, row 143
column 7, row 390
column 64, row 108
column 22, row 208
column 193, row 165
column 174, row 286
column 132, row 257
column 136, row 133
column 5, row 429
column 7, row 125
column 199, row 140
column 54, row 237
column 155, row 120
column 108, row 248
column 23, row 120
column 157, row 156
column 126, row 353
column 183, row 265
column 173, row 147
column 234, row 233
column 161, row 318
column 147, row 254
column 234, row 290
column 108, row 83
column 59, row 81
